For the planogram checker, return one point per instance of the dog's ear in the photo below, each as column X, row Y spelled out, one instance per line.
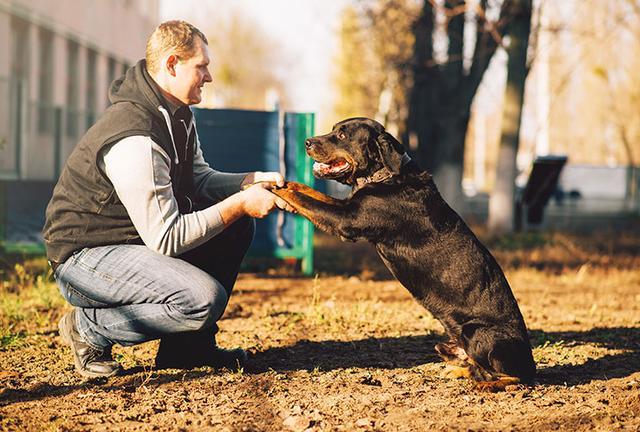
column 390, row 151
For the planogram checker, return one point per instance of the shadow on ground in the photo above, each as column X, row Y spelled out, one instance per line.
column 410, row 351
column 382, row 353
column 603, row 368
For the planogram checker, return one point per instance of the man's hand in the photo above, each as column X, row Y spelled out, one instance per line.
column 258, row 202
column 260, row 176
column 254, row 200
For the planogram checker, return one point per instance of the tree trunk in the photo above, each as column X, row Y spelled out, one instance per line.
column 501, row 202
column 422, row 95
column 438, row 113
column 440, row 100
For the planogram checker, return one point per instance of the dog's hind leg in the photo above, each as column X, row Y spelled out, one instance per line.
column 497, row 385
column 456, row 359
column 451, row 351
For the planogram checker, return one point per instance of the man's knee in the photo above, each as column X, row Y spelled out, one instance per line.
column 204, row 303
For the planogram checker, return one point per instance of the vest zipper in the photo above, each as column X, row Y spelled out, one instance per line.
column 188, row 132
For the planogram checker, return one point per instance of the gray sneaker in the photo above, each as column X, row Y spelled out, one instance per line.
column 90, row 362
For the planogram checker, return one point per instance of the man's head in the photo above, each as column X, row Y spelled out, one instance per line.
column 178, row 60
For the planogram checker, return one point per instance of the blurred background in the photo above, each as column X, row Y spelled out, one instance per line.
column 477, row 90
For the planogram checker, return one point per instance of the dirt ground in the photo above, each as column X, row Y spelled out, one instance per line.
column 350, row 350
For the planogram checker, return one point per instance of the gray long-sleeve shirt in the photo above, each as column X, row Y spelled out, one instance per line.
column 139, row 168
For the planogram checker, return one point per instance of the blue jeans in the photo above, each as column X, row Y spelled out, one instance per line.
column 128, row 294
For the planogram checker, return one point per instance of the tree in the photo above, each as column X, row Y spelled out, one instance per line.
column 443, row 89
column 434, row 72
column 501, row 202
column 620, row 76
column 244, row 64
column 374, row 61
column 355, row 79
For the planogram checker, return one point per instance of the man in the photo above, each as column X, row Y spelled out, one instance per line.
column 144, row 238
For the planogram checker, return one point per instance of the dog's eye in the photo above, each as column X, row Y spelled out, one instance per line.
column 341, row 135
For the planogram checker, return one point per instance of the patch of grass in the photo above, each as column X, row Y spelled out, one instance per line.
column 10, row 340
column 29, row 298
column 521, row 241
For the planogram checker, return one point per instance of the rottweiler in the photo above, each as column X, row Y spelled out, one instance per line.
column 425, row 244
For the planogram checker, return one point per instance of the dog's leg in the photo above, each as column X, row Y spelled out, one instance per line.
column 456, row 359
column 310, row 192
column 497, row 385
column 451, row 351
column 455, row 371
column 327, row 213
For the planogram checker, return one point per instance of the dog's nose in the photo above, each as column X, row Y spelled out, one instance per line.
column 308, row 143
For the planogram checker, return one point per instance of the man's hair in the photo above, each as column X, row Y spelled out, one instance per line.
column 176, row 36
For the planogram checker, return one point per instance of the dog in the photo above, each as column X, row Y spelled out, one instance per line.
column 424, row 243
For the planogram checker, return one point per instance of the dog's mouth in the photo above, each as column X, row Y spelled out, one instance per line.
column 332, row 169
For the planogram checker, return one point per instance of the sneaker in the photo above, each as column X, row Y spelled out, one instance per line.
column 191, row 350
column 89, row 361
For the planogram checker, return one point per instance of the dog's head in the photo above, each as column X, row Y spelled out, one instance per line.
column 355, row 148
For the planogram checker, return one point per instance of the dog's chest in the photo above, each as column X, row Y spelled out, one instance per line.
column 404, row 266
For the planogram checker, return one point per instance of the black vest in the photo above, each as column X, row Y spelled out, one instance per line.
column 84, row 210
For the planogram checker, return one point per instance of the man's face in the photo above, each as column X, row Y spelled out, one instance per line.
column 191, row 74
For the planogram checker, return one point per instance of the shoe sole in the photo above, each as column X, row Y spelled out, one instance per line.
column 64, row 331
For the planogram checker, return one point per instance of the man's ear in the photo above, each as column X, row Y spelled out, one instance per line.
column 171, row 63
column 390, row 151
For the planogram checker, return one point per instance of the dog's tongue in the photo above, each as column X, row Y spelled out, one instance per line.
column 329, row 168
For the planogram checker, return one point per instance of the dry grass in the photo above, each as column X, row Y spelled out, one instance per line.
column 350, row 350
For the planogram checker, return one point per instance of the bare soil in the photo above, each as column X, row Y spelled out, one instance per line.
column 350, row 350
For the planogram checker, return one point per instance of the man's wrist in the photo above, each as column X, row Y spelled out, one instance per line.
column 249, row 179
column 233, row 208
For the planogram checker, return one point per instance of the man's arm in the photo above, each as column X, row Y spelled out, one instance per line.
column 138, row 168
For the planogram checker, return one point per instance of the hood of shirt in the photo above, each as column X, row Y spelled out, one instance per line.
column 137, row 87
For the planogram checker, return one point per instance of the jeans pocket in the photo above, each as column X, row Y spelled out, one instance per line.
column 58, row 274
column 78, row 299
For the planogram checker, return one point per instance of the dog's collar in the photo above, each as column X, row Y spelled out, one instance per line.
column 380, row 175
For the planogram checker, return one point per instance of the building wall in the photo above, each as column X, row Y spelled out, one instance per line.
column 60, row 59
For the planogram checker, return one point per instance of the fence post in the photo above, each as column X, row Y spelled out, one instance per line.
column 305, row 174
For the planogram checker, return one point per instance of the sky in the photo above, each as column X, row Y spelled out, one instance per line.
column 305, row 29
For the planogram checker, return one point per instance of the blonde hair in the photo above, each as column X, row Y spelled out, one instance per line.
column 176, row 36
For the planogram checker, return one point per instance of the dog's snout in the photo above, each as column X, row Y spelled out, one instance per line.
column 308, row 143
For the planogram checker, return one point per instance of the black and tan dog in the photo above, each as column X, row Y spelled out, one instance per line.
column 424, row 243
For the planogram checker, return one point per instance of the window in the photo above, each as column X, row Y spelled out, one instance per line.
column 73, row 51
column 91, row 94
column 111, row 73
column 20, row 48
column 11, row 157
column 45, row 83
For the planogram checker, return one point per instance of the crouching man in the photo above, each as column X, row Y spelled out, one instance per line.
column 144, row 238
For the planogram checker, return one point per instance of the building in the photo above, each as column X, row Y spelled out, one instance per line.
column 59, row 60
